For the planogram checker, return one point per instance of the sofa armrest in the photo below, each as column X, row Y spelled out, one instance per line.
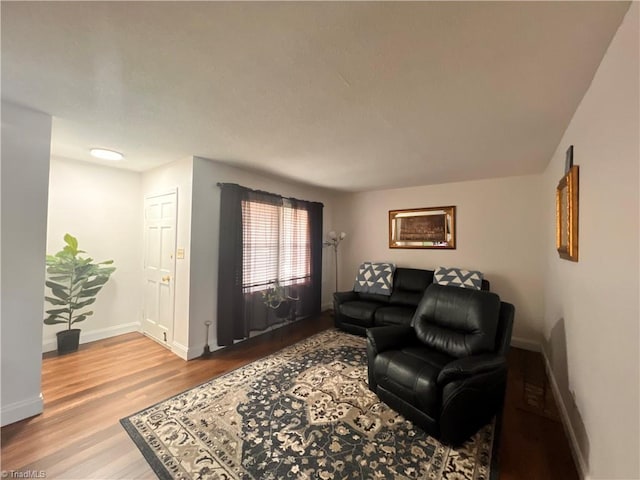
column 380, row 339
column 385, row 338
column 470, row 366
column 341, row 297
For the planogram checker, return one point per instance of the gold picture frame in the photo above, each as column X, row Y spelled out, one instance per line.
column 433, row 227
column 567, row 215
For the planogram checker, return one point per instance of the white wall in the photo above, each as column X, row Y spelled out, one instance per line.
column 205, row 237
column 159, row 180
column 591, row 310
column 102, row 208
column 498, row 225
column 26, row 139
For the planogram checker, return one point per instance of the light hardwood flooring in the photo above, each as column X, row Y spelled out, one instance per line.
column 86, row 393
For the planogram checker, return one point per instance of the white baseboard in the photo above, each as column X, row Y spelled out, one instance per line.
column 583, row 470
column 180, row 350
column 189, row 353
column 526, row 344
column 50, row 344
column 20, row 410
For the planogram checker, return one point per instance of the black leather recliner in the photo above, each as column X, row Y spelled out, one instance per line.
column 447, row 371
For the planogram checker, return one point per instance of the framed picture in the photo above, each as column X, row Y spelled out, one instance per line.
column 568, row 162
column 567, row 215
column 423, row 228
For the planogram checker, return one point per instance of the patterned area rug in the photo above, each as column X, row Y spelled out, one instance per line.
column 304, row 412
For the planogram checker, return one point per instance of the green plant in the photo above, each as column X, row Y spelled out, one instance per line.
column 275, row 295
column 74, row 281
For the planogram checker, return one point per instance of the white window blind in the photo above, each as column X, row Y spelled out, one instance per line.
column 276, row 245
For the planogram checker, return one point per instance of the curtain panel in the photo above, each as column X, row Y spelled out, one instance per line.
column 261, row 240
column 230, row 296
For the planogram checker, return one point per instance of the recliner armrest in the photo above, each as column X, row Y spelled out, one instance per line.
column 341, row 297
column 469, row 366
column 385, row 338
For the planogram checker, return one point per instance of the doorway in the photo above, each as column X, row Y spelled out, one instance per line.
column 160, row 216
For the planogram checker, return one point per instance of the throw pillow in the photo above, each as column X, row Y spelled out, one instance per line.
column 375, row 278
column 458, row 277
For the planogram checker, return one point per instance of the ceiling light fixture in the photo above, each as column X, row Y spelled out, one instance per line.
column 105, row 154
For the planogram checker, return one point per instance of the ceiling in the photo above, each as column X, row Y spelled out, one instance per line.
column 346, row 95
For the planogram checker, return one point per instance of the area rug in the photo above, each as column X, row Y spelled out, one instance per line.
column 304, row 412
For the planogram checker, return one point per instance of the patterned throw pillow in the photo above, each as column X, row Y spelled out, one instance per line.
column 375, row 278
column 457, row 277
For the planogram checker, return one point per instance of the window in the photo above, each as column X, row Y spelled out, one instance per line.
column 265, row 238
column 276, row 245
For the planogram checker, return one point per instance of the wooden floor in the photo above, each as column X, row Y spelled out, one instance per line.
column 79, row 437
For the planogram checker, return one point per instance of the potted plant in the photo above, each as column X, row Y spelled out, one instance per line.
column 74, row 281
column 276, row 298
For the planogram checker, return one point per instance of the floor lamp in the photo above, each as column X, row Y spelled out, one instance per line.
column 333, row 241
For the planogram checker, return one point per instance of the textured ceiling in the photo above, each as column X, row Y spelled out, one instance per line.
column 350, row 96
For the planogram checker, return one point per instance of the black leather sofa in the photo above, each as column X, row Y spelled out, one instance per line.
column 355, row 312
column 447, row 371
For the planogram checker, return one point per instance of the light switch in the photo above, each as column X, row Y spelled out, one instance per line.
column 180, row 254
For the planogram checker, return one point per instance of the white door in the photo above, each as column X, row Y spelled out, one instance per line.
column 160, row 212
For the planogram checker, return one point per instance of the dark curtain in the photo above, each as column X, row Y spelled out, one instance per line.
column 230, row 296
column 315, row 220
column 313, row 292
column 242, row 311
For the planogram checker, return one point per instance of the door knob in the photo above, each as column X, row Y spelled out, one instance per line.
column 166, row 278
